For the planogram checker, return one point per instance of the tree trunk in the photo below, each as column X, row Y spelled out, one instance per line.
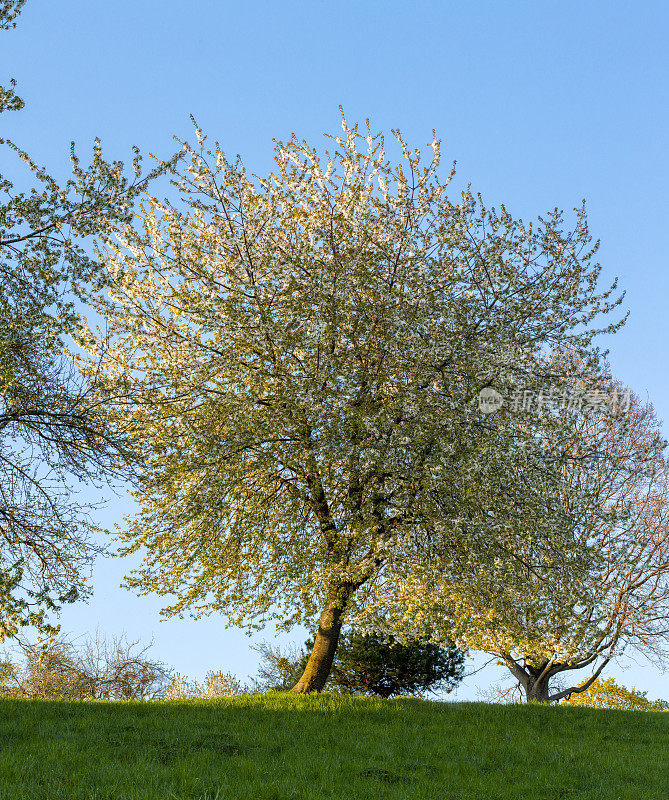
column 318, row 667
column 536, row 691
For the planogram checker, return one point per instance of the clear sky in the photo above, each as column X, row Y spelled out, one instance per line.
column 541, row 104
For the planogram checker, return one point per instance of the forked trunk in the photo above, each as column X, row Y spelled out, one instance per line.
column 536, row 690
column 318, row 667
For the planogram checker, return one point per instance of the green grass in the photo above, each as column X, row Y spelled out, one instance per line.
column 281, row 747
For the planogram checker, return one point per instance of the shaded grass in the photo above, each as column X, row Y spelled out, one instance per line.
column 282, row 747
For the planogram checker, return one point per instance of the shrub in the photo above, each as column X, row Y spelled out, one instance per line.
column 216, row 684
column 608, row 694
column 379, row 664
column 279, row 671
column 98, row 668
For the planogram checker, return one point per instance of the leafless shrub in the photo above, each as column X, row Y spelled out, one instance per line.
column 97, row 669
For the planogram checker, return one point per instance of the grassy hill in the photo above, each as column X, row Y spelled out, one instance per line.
column 280, row 747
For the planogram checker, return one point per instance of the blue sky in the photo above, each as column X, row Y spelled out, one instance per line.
column 541, row 104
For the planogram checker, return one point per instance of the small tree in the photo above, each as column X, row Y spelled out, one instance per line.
column 585, row 618
column 119, row 669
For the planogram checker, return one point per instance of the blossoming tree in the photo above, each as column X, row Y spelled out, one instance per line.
column 303, row 352
column 545, row 618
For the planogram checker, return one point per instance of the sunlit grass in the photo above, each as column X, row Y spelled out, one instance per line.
column 276, row 747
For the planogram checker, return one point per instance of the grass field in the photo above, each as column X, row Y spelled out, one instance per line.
column 281, row 747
